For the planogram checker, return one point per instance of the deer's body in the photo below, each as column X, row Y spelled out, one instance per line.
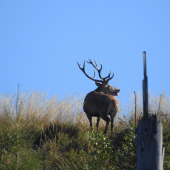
column 101, row 102
column 97, row 103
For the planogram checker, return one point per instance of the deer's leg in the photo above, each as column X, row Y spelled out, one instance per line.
column 112, row 121
column 97, row 124
column 90, row 120
column 106, row 118
column 112, row 115
column 107, row 123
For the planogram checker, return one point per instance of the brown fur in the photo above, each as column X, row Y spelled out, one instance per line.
column 98, row 104
column 101, row 102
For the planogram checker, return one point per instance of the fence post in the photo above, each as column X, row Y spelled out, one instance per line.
column 145, row 88
column 150, row 153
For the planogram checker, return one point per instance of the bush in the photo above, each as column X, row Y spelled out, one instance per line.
column 36, row 133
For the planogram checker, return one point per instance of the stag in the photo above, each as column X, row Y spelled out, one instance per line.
column 101, row 102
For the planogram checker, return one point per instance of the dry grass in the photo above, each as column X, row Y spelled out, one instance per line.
column 33, row 110
column 37, row 107
column 158, row 103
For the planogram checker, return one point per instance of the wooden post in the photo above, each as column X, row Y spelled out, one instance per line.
column 145, row 88
column 150, row 153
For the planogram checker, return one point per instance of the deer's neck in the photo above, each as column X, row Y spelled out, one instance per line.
column 99, row 90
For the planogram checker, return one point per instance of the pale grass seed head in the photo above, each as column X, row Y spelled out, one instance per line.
column 159, row 104
column 35, row 106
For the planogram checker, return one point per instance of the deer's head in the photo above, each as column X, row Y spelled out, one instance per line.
column 102, row 84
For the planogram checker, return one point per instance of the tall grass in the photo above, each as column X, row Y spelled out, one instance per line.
column 41, row 133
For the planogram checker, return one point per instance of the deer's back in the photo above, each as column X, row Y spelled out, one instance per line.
column 97, row 101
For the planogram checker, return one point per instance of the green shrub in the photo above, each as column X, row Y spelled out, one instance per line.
column 55, row 134
column 16, row 145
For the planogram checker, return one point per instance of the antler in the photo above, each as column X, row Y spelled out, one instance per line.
column 99, row 70
column 105, row 79
column 83, row 69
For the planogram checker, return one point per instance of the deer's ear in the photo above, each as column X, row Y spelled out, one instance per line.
column 101, row 84
column 98, row 84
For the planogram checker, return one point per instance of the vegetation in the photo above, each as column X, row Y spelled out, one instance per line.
column 47, row 134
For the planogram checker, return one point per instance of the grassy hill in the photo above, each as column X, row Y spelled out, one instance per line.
column 43, row 134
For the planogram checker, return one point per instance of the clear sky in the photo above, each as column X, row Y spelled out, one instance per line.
column 41, row 42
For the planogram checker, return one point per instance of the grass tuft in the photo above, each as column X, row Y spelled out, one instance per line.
column 41, row 133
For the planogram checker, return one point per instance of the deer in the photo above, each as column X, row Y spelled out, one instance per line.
column 102, row 101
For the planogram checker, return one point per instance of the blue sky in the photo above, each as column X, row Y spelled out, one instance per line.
column 41, row 42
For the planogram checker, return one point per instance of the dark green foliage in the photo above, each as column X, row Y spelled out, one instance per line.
column 15, row 147
column 124, row 150
column 54, row 131
column 65, row 146
column 35, row 142
column 92, row 150
column 166, row 141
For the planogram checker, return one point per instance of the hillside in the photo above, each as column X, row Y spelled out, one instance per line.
column 41, row 133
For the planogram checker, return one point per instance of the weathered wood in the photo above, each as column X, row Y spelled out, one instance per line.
column 150, row 153
column 145, row 88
